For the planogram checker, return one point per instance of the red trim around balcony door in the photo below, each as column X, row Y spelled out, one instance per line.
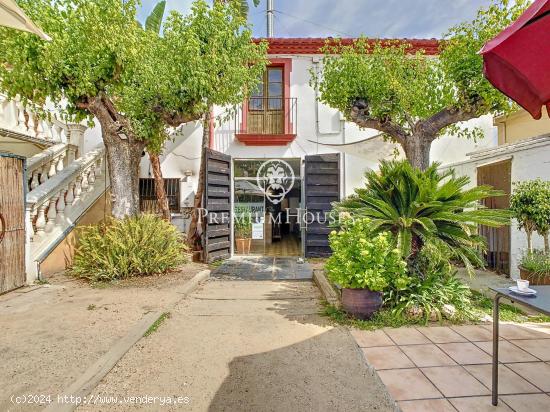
column 272, row 140
column 286, row 64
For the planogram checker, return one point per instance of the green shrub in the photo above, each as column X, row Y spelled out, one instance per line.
column 433, row 286
column 530, row 204
column 537, row 262
column 423, row 207
column 361, row 260
column 136, row 246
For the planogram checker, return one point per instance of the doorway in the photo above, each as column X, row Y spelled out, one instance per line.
column 499, row 176
column 267, row 200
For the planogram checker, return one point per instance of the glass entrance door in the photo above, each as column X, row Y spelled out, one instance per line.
column 267, row 202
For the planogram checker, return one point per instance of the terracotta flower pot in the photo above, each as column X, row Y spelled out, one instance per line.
column 533, row 278
column 243, row 246
column 361, row 303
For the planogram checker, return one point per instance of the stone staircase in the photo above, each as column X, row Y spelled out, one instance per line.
column 62, row 181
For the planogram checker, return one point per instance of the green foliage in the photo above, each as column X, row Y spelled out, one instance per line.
column 537, row 262
column 404, row 88
column 508, row 313
column 422, row 207
column 94, row 44
column 156, row 324
column 99, row 49
column 362, row 260
column 530, row 204
column 203, row 59
column 432, row 293
column 136, row 246
column 243, row 226
column 153, row 22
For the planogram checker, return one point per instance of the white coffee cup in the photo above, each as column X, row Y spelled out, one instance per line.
column 523, row 284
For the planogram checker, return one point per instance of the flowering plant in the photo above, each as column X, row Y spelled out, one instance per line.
column 363, row 260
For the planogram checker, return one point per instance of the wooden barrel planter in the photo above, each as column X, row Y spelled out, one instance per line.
column 361, row 303
column 534, row 278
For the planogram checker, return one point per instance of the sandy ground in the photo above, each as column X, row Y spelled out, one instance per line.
column 51, row 333
column 244, row 346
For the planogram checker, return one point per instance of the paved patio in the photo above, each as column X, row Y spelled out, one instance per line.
column 263, row 268
column 449, row 368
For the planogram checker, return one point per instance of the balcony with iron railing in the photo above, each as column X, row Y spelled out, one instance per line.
column 267, row 121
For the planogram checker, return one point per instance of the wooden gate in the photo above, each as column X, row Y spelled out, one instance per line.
column 217, row 237
column 12, row 222
column 499, row 176
column 322, row 187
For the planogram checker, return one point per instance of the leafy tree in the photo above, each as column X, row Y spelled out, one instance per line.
column 530, row 204
column 102, row 64
column 425, row 208
column 412, row 99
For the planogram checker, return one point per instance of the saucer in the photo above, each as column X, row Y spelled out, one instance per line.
column 526, row 292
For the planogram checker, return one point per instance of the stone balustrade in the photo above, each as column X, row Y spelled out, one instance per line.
column 56, row 203
column 21, row 120
column 48, row 163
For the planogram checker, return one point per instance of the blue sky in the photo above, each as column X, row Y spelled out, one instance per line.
column 373, row 18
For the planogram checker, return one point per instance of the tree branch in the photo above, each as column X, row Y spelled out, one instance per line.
column 360, row 116
column 446, row 117
column 176, row 119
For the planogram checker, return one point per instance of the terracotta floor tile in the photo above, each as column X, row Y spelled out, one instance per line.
column 536, row 402
column 511, row 331
column 427, row 355
column 478, row 404
column 536, row 347
column 465, row 353
column 426, row 405
column 475, row 333
column 441, row 334
column 368, row 339
column 538, row 373
column 408, row 384
column 406, row 336
column 387, row 357
column 508, row 381
column 455, row 381
column 507, row 352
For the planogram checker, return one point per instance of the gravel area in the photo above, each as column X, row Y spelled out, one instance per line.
column 51, row 333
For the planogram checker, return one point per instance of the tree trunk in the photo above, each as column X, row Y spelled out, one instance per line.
column 546, row 244
column 194, row 235
column 162, row 199
column 417, row 150
column 123, row 157
column 529, row 241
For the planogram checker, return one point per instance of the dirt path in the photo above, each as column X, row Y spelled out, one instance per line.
column 50, row 334
column 245, row 346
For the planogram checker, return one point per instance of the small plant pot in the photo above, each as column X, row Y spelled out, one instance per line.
column 361, row 303
column 243, row 246
column 534, row 279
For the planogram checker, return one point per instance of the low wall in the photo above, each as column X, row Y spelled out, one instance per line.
column 61, row 256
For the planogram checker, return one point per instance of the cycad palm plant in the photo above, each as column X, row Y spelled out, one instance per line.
column 430, row 206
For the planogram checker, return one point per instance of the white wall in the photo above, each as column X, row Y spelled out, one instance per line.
column 530, row 160
column 331, row 135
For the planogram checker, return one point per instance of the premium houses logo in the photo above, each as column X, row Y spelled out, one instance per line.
column 275, row 179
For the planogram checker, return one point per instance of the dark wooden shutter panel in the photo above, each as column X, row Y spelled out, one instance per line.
column 322, row 187
column 218, row 203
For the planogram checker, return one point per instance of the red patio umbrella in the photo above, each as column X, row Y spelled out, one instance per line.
column 517, row 61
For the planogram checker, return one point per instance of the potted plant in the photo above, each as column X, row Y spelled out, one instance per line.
column 535, row 267
column 243, row 234
column 530, row 204
column 364, row 265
